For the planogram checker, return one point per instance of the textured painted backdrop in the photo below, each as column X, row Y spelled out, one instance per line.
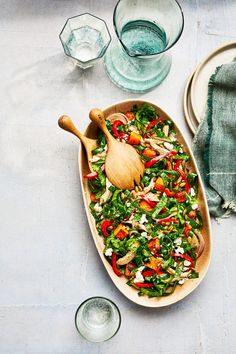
column 48, row 262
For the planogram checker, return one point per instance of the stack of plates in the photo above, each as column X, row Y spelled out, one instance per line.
column 195, row 94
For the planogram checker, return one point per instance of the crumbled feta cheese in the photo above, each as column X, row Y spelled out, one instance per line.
column 133, row 128
column 160, row 235
column 107, row 194
column 192, row 192
column 141, row 268
column 97, row 208
column 108, row 252
column 187, row 263
column 128, row 204
column 195, row 206
column 179, row 250
column 181, row 281
column 164, row 194
column 178, row 241
column 131, row 217
column 143, row 219
column 185, row 269
column 138, row 277
column 175, row 264
column 144, row 234
column 180, row 150
column 168, row 146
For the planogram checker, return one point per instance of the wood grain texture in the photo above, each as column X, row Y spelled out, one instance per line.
column 123, row 165
column 66, row 123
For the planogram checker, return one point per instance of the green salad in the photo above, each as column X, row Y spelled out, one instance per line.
column 152, row 234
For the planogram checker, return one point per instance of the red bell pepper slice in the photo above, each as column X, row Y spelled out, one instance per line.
column 163, row 221
column 184, row 256
column 104, row 225
column 144, row 285
column 148, row 273
column 157, row 158
column 169, row 193
column 116, row 133
column 150, row 202
column 184, row 178
column 177, row 164
column 91, row 175
column 114, row 265
column 116, row 124
column 187, row 229
column 187, row 186
column 152, row 123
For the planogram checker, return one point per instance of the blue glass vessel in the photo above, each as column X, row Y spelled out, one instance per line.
column 138, row 59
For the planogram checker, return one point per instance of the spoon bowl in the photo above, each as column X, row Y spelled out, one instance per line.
column 123, row 165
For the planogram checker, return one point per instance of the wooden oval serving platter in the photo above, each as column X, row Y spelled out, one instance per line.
column 202, row 262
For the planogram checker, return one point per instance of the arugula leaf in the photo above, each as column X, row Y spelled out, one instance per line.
column 160, row 205
column 194, row 275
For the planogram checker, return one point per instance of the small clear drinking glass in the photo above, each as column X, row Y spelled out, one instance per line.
column 97, row 319
column 139, row 58
column 85, row 38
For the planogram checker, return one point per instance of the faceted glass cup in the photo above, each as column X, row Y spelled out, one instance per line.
column 97, row 319
column 85, row 39
column 146, row 29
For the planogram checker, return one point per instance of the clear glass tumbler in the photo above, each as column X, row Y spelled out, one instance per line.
column 85, row 38
column 97, row 319
column 139, row 58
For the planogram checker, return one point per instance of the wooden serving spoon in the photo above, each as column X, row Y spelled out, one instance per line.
column 66, row 123
column 123, row 165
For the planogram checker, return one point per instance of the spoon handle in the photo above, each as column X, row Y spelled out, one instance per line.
column 97, row 116
column 66, row 123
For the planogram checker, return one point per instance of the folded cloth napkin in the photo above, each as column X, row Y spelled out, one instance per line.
column 214, row 145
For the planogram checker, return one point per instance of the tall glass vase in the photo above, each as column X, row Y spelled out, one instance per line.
column 139, row 59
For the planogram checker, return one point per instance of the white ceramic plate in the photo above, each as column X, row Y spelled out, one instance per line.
column 188, row 111
column 199, row 86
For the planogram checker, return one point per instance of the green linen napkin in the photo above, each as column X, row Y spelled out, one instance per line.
column 214, row 144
